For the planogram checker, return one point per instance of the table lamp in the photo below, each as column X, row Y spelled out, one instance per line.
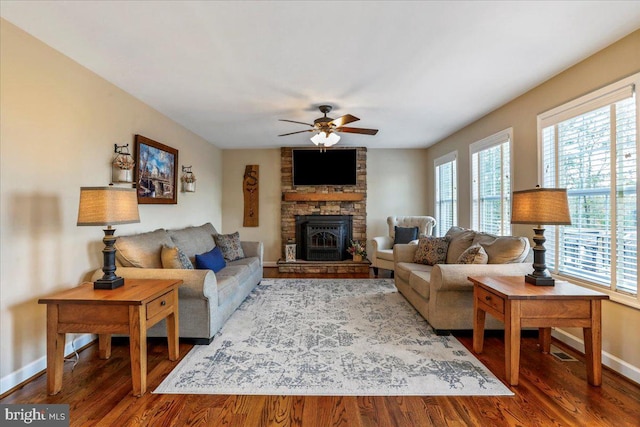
column 540, row 206
column 108, row 206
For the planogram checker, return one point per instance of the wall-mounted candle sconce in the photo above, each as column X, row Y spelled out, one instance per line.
column 122, row 165
column 188, row 180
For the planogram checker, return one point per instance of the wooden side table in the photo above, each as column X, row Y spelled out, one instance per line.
column 519, row 305
column 130, row 309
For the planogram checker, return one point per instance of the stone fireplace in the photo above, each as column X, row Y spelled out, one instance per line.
column 330, row 201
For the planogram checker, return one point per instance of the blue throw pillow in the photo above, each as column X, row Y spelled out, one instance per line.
column 212, row 260
column 405, row 234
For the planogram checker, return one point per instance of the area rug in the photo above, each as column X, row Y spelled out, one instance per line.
column 348, row 337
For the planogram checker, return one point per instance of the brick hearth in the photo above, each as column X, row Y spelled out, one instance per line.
column 324, row 267
column 322, row 200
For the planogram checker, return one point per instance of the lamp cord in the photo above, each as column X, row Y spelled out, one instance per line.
column 75, row 355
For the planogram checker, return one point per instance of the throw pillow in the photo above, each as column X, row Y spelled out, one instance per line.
column 193, row 240
column 432, row 250
column 461, row 240
column 174, row 257
column 503, row 249
column 405, row 234
column 142, row 250
column 473, row 255
column 212, row 260
column 229, row 245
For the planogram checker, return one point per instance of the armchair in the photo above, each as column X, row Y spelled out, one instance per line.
column 382, row 256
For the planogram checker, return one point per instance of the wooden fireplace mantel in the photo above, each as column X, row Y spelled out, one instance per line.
column 322, row 197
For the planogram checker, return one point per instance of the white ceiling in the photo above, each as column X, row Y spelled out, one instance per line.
column 418, row 71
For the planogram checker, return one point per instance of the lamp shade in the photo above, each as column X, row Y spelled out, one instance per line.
column 108, row 206
column 540, row 206
column 325, row 140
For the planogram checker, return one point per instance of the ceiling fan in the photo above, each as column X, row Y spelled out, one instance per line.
column 326, row 128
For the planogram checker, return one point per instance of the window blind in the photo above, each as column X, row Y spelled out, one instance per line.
column 594, row 155
column 446, row 203
column 491, row 184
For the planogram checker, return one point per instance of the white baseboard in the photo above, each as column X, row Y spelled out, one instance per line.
column 23, row 374
column 620, row 366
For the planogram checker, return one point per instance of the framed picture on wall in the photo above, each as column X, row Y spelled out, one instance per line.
column 156, row 177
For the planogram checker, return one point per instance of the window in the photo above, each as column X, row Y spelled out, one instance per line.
column 590, row 147
column 491, row 184
column 446, row 212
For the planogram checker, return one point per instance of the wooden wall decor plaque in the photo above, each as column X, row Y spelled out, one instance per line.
column 251, row 192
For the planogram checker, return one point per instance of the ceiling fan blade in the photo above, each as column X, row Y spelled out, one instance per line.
column 357, row 130
column 347, row 118
column 293, row 121
column 300, row 131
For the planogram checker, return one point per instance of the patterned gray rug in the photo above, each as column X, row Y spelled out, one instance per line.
column 330, row 337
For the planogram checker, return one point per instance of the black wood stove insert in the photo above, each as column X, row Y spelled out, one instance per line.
column 323, row 237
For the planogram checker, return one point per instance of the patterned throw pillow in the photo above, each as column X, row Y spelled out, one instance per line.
column 229, row 245
column 473, row 255
column 174, row 257
column 432, row 250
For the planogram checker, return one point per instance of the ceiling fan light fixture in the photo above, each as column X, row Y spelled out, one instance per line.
column 326, row 128
column 325, row 140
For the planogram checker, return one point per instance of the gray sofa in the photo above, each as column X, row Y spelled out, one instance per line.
column 206, row 299
column 441, row 293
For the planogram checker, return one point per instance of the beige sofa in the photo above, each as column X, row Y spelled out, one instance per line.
column 382, row 256
column 441, row 293
column 206, row 299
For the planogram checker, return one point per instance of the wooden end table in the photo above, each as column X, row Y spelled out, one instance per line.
column 519, row 305
column 130, row 309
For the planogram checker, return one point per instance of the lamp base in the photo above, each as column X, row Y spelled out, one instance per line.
column 108, row 283
column 539, row 281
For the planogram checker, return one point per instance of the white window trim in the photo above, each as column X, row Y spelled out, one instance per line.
column 447, row 158
column 497, row 138
column 450, row 157
column 614, row 296
column 593, row 100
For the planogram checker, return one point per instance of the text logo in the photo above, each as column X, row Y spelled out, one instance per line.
column 34, row 415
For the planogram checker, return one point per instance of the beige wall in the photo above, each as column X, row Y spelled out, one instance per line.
column 268, row 230
column 396, row 185
column 607, row 66
column 58, row 126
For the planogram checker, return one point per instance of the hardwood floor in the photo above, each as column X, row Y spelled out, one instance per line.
column 551, row 393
